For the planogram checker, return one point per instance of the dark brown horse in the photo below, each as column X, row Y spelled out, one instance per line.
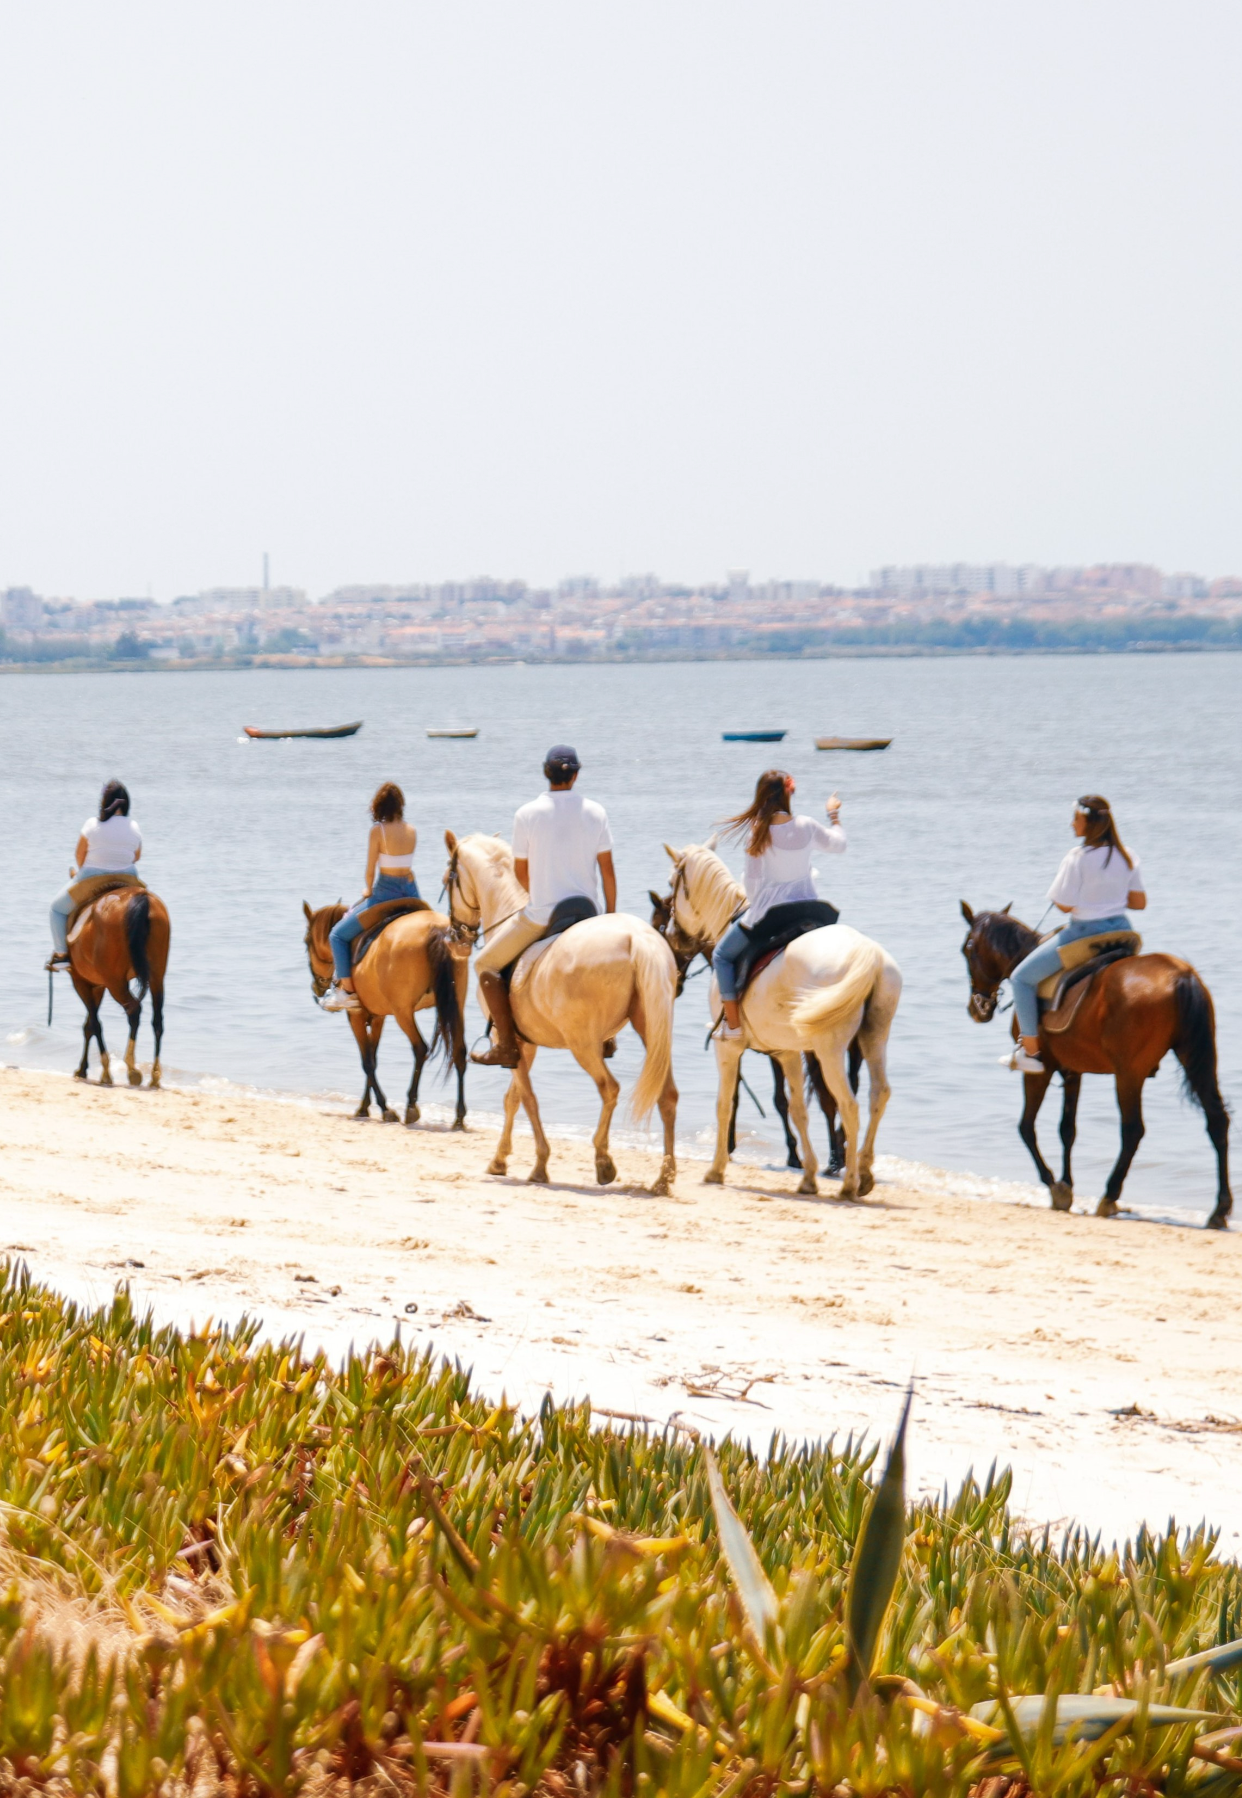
column 1132, row 1013
column 415, row 963
column 119, row 937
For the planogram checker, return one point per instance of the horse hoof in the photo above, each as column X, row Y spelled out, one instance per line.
column 866, row 1184
column 1062, row 1196
column 795, row 1160
column 538, row 1176
column 412, row 1115
column 605, row 1170
column 1219, row 1220
column 1107, row 1208
column 661, row 1189
column 363, row 1111
column 713, row 1177
column 155, row 1076
column 498, row 1165
column 79, row 1073
column 807, row 1184
column 847, row 1191
column 458, row 1124
column 135, row 1076
column 389, row 1115
column 105, row 1079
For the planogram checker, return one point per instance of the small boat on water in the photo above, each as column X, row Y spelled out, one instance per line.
column 465, row 730
column 752, row 736
column 335, row 730
column 852, row 742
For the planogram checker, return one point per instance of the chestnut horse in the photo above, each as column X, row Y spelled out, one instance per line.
column 415, row 963
column 1134, row 1012
column 119, row 937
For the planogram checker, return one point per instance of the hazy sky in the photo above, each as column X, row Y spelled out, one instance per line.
column 401, row 291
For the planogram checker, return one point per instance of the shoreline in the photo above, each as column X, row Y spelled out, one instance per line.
column 1034, row 1339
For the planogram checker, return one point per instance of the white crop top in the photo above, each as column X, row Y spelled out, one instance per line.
column 783, row 873
column 389, row 864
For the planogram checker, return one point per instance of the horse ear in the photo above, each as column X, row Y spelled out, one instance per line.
column 450, row 841
column 671, row 853
column 712, row 840
column 310, row 916
column 1006, row 908
column 658, row 901
column 967, row 913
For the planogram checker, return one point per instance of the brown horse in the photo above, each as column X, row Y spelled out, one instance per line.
column 1132, row 1014
column 119, row 937
column 415, row 963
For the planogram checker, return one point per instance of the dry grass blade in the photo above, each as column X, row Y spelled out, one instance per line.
column 1085, row 1714
column 1218, row 1660
column 877, row 1556
column 754, row 1587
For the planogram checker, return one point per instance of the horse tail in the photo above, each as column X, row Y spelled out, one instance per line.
column 1195, row 1043
column 137, row 935
column 829, row 1005
column 650, row 956
column 443, row 965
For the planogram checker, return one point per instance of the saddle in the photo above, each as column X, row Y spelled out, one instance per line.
column 783, row 925
column 565, row 914
column 85, row 892
column 376, row 919
column 1080, row 962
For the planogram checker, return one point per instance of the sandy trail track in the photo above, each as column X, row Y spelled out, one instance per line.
column 746, row 1310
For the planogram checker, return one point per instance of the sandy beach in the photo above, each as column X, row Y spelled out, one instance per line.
column 1100, row 1360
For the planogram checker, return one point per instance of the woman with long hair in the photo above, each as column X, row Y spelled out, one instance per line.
column 1098, row 880
column 390, row 875
column 109, row 843
column 779, row 847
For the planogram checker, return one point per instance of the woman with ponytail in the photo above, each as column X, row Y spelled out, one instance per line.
column 778, row 871
column 1096, row 883
column 110, row 843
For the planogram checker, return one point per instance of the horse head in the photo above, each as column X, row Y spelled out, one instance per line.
column 318, row 948
column 479, row 883
column 995, row 944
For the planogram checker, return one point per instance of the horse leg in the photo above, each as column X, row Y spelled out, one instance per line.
column 780, row 1098
column 375, row 1029
column 157, row 1027
column 132, row 1070
column 358, row 1021
column 1062, row 1190
column 105, row 1064
column 828, row 1105
column 1034, row 1087
column 91, row 997
column 791, row 1065
column 729, row 1066
column 667, row 1103
column 1130, row 1105
column 831, row 1057
column 459, row 1063
column 589, row 1058
column 875, row 1050
column 419, row 1046
column 499, row 1163
column 1218, row 1129
column 737, row 1095
column 538, row 1175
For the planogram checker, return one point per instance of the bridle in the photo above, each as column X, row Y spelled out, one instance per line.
column 319, row 982
column 463, row 929
column 982, row 1004
column 684, row 946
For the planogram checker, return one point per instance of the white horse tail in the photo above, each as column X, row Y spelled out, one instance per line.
column 830, row 1005
column 653, row 978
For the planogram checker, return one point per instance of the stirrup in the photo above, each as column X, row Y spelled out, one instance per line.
column 57, row 963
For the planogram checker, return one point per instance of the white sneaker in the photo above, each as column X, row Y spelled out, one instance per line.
column 339, row 1000
column 728, row 1034
column 1022, row 1063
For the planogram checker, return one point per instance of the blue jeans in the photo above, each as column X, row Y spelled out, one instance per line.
column 724, row 959
column 342, row 934
column 62, row 906
column 1047, row 960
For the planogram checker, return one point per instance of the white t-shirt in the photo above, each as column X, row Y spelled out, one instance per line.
column 559, row 836
column 1094, row 883
column 783, row 873
column 113, row 845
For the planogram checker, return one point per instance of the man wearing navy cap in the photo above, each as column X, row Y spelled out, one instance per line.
column 560, row 840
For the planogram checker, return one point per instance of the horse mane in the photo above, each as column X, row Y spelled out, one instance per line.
column 1010, row 935
column 498, row 855
column 717, row 893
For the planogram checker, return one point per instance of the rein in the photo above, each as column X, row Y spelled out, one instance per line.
column 470, row 932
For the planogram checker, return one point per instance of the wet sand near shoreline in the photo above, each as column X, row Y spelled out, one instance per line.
column 1101, row 1360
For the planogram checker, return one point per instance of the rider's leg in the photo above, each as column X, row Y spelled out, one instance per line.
column 340, row 937
column 1024, row 979
column 724, row 961
column 503, row 946
column 58, row 918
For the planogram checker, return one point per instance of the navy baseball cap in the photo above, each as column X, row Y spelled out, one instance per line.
column 562, row 756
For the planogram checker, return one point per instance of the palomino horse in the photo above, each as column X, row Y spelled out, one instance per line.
column 1135, row 1011
column 119, row 937
column 412, row 965
column 574, row 992
column 819, row 993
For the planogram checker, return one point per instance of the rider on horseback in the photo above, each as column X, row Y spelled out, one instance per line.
column 390, row 875
column 778, row 871
column 110, row 843
column 1096, row 882
column 559, row 840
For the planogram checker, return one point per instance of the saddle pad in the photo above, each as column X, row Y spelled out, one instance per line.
column 565, row 914
column 377, row 918
column 85, row 892
column 1086, row 948
column 783, row 925
column 1056, row 1014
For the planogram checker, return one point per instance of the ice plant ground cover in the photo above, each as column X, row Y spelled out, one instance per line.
column 232, row 1567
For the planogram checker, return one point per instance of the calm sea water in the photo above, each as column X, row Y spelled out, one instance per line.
column 972, row 801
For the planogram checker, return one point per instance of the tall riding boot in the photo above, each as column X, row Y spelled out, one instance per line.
column 504, row 1052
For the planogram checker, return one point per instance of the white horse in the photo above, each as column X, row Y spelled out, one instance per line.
column 817, row 994
column 574, row 992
